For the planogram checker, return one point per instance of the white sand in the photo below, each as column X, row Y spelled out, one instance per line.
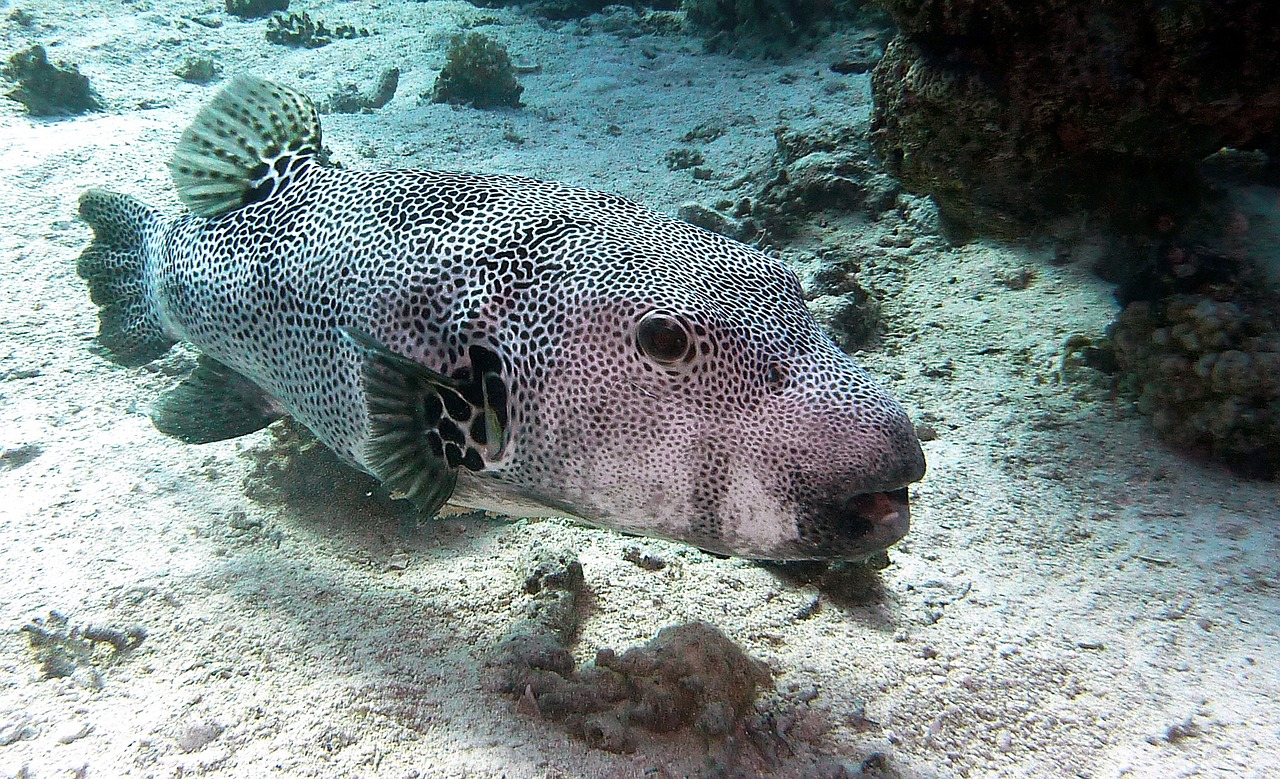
column 1074, row 600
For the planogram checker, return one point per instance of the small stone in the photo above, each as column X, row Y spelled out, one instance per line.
column 88, row 678
column 198, row 735
column 71, row 731
column 15, row 730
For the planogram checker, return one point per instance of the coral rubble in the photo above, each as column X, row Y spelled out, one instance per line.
column 47, row 89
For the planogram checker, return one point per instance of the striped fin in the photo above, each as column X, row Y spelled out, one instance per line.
column 240, row 145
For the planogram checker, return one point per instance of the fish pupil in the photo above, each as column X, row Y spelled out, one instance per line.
column 663, row 338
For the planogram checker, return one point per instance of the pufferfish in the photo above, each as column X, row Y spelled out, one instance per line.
column 498, row 342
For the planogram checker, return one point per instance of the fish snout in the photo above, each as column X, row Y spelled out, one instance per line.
column 865, row 509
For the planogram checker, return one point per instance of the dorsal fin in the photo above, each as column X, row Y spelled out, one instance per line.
column 241, row 143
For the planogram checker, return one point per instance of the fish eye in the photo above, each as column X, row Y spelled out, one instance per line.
column 664, row 338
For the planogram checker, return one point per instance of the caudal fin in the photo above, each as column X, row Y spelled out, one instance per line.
column 115, row 266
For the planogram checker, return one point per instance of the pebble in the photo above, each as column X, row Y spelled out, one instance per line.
column 70, row 731
column 198, row 735
column 15, row 730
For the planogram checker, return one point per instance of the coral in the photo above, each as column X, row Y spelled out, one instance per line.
column 62, row 648
column 198, row 70
column 300, row 31
column 256, row 9
column 688, row 676
column 47, row 89
column 1012, row 113
column 1207, row 372
column 477, row 72
column 350, row 100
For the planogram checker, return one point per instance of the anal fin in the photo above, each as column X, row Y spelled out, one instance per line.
column 214, row 403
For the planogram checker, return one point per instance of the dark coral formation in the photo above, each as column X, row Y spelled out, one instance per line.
column 301, row 31
column 47, row 89
column 477, row 72
column 1010, row 113
column 256, row 9
column 1204, row 361
column 688, row 676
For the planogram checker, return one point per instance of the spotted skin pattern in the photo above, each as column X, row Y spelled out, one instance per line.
column 760, row 440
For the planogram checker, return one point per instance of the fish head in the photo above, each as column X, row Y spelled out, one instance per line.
column 688, row 393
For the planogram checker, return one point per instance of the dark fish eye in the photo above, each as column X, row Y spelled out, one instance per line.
column 664, row 338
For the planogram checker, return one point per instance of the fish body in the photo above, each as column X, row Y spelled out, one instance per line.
column 498, row 342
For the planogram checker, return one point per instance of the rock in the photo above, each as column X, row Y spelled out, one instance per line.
column 47, row 89
column 70, row 731
column 197, row 735
column 350, row 100
column 1011, row 115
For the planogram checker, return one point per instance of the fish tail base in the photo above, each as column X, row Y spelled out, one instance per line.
column 115, row 267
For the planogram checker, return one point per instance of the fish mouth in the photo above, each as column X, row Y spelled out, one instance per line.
column 881, row 519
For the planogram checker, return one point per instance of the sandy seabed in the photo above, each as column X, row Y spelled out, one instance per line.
column 1074, row 599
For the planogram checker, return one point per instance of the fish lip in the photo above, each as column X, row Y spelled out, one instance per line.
column 886, row 514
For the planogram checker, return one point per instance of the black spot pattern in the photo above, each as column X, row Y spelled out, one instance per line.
column 754, row 443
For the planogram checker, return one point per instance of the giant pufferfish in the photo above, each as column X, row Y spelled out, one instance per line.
column 498, row 342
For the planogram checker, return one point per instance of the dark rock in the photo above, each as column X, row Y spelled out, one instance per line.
column 256, row 9
column 47, row 89
column 1011, row 114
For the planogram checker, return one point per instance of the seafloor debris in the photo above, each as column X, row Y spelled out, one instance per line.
column 62, row 648
column 256, row 9
column 301, row 31
column 688, row 676
column 477, row 72
column 198, row 70
column 47, row 89
column 351, row 100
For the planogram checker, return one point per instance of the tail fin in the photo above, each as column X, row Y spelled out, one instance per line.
column 115, row 266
